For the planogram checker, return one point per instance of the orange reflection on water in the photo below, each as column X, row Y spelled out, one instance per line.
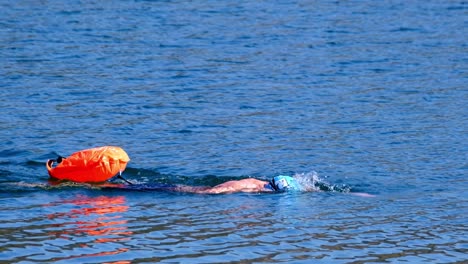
column 98, row 217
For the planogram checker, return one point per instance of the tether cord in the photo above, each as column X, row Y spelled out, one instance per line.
column 122, row 178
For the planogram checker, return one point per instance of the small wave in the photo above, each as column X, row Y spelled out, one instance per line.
column 50, row 185
column 312, row 182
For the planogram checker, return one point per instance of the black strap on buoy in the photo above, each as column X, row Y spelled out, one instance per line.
column 60, row 159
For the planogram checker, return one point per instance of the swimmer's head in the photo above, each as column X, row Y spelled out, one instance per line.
column 283, row 183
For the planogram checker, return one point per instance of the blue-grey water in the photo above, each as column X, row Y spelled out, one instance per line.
column 364, row 96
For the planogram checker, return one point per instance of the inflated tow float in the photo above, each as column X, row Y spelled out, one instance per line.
column 90, row 165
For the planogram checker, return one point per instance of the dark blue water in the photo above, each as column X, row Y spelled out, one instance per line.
column 365, row 96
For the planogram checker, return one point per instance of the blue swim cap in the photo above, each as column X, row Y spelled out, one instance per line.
column 285, row 183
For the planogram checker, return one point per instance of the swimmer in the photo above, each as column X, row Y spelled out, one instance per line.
column 277, row 184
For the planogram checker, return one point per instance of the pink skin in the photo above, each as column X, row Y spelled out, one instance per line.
column 367, row 195
column 245, row 185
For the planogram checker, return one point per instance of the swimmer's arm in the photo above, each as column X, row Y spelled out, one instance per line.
column 367, row 195
column 245, row 185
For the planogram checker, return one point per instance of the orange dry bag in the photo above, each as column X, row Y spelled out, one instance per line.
column 90, row 165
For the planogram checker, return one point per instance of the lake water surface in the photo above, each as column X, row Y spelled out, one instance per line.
column 362, row 96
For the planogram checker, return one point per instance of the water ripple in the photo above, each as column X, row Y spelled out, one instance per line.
column 370, row 94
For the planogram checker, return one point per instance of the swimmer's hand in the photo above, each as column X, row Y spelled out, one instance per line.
column 367, row 195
